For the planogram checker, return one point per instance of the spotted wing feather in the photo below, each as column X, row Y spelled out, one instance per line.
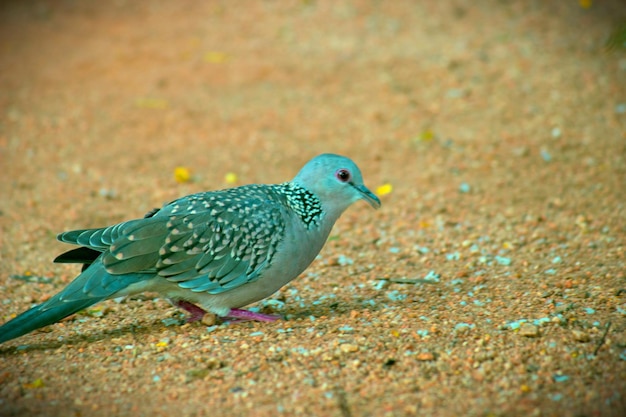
column 223, row 245
column 210, row 242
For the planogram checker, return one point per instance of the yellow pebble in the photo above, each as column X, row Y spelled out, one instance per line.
column 426, row 136
column 182, row 174
column 230, row 178
column 37, row 383
column 384, row 189
column 215, row 57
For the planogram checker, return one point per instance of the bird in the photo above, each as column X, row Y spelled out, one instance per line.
column 212, row 251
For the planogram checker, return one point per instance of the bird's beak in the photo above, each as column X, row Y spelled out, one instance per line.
column 368, row 196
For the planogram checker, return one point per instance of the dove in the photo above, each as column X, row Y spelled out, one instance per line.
column 214, row 251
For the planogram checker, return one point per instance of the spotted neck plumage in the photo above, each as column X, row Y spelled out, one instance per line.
column 304, row 203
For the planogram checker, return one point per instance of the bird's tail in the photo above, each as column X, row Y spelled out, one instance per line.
column 42, row 315
column 93, row 285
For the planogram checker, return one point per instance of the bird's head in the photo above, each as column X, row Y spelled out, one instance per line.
column 336, row 181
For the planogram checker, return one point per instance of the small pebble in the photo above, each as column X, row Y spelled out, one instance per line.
column 529, row 330
column 502, row 260
column 432, row 276
column 348, row 347
column 463, row 327
column 213, row 363
column 455, row 256
column 343, row 260
column 209, row 319
column 580, row 336
column 109, row 194
column 380, row 284
column 425, row 357
column 423, row 250
column 170, row 322
column 545, row 155
column 484, row 356
column 465, row 188
column 396, row 295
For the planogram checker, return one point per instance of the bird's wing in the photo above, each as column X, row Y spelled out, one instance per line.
column 96, row 241
column 210, row 242
column 99, row 239
column 219, row 253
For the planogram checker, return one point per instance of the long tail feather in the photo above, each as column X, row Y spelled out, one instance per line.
column 92, row 286
column 40, row 316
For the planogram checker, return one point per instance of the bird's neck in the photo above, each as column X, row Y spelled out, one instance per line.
column 303, row 203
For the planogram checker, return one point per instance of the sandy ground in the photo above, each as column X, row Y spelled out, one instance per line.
column 491, row 283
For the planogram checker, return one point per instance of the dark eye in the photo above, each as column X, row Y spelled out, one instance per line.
column 343, row 175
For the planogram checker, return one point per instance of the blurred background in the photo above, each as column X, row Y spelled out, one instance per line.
column 488, row 128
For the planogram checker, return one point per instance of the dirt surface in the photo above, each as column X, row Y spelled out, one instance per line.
column 491, row 283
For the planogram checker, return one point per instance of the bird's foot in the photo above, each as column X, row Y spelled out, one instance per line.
column 238, row 315
column 196, row 313
column 235, row 315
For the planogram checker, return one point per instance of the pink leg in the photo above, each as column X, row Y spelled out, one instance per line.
column 245, row 315
column 196, row 312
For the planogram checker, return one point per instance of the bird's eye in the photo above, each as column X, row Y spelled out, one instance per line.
column 343, row 175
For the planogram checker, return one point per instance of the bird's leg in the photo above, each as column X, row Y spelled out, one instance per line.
column 196, row 312
column 234, row 315
column 245, row 315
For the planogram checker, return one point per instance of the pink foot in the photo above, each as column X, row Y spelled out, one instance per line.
column 245, row 315
column 196, row 312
